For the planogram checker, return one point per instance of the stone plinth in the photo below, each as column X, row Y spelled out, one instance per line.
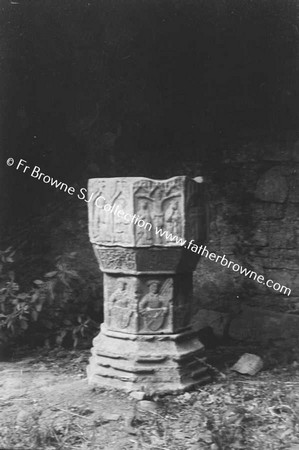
column 137, row 227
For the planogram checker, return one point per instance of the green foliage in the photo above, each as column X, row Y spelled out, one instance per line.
column 55, row 310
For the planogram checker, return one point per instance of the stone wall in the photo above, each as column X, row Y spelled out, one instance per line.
column 254, row 206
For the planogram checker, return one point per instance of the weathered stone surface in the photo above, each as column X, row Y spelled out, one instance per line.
column 145, row 260
column 228, row 241
column 259, row 325
column 248, row 364
column 260, row 236
column 282, row 234
column 146, row 343
column 282, row 258
column 148, row 305
column 266, row 228
column 292, row 216
column 267, row 301
column 152, row 364
column 284, row 278
column 265, row 211
column 272, row 186
column 218, row 321
column 128, row 211
column 213, row 286
column 294, row 186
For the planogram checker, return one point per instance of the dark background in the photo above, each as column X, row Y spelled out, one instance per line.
column 154, row 88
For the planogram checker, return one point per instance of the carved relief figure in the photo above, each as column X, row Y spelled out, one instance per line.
column 101, row 229
column 173, row 218
column 154, row 306
column 120, row 226
column 144, row 234
column 157, row 197
column 120, row 313
column 107, row 226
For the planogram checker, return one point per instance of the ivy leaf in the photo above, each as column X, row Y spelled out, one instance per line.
column 38, row 282
column 34, row 296
column 51, row 274
column 51, row 286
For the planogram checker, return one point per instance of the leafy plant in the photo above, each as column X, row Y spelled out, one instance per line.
column 55, row 309
column 14, row 306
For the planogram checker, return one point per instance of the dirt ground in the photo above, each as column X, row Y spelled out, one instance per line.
column 46, row 403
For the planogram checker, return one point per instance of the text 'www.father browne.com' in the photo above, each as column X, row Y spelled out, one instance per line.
column 201, row 250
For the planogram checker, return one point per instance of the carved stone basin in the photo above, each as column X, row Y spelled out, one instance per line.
column 140, row 229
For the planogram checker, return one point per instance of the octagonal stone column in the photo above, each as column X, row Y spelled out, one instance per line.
column 146, row 342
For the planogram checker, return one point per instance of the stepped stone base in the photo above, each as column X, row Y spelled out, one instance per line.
column 162, row 364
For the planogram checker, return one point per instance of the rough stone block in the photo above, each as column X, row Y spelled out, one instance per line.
column 248, row 364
